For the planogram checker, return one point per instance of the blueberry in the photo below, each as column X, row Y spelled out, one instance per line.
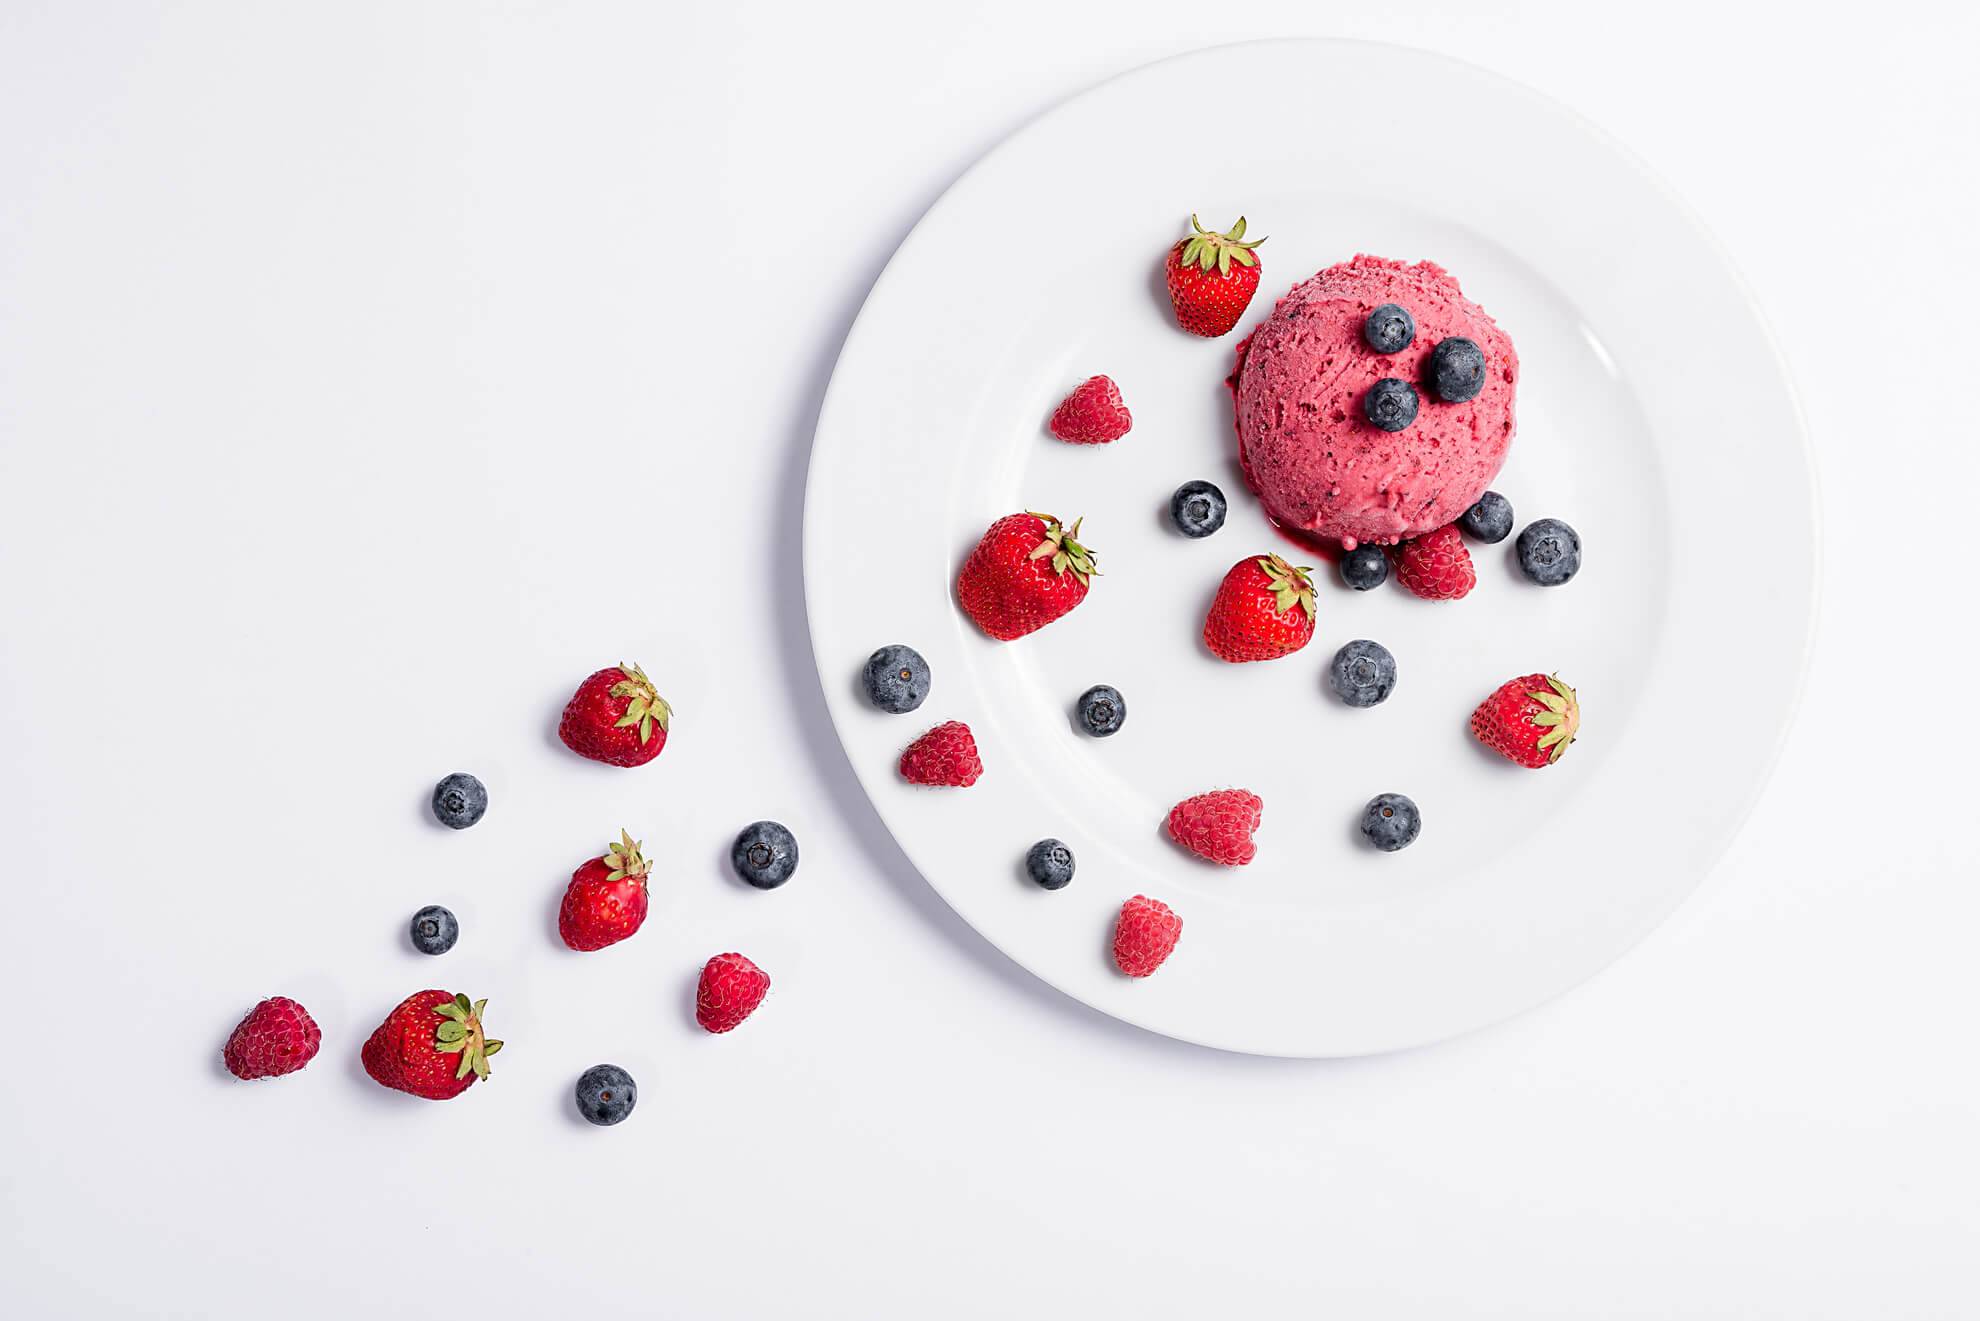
column 1391, row 822
column 1549, row 552
column 1457, row 369
column 434, row 930
column 1490, row 520
column 764, row 854
column 1198, row 508
column 606, row 1094
column 1102, row 710
column 1390, row 404
column 1363, row 673
column 1050, row 863
column 1365, row 567
column 459, row 800
column 897, row 679
column 1389, row 329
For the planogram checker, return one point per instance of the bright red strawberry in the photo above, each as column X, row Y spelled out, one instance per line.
column 1436, row 566
column 432, row 1046
column 1530, row 720
column 1145, row 935
column 278, row 1036
column 731, row 988
column 606, row 899
column 1263, row 610
column 945, row 755
column 1026, row 572
column 1218, row 825
column 616, row 717
column 1093, row 414
column 1212, row 277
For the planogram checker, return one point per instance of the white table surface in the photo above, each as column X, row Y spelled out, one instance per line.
column 353, row 404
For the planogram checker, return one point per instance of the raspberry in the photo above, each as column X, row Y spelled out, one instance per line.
column 731, row 988
column 1093, row 414
column 1436, row 566
column 945, row 755
column 1218, row 825
column 1144, row 935
column 278, row 1036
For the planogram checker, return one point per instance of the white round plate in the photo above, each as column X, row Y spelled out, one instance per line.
column 1654, row 415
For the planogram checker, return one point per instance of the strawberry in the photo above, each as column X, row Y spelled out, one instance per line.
column 432, row 1046
column 1263, row 610
column 1026, row 571
column 731, row 987
column 1436, row 566
column 1145, row 934
column 606, row 899
column 1218, row 825
column 1212, row 277
column 945, row 755
column 1530, row 720
column 616, row 717
column 278, row 1036
column 1093, row 414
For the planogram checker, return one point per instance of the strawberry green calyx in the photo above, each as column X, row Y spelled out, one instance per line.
column 1561, row 719
column 1206, row 247
column 1290, row 585
column 624, row 859
column 647, row 707
column 1065, row 551
column 460, row 1032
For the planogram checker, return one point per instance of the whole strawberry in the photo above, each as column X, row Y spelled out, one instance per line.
column 616, row 717
column 276, row 1037
column 1436, row 566
column 1093, row 414
column 1530, row 720
column 1218, row 825
column 1212, row 277
column 606, row 899
column 432, row 1046
column 1263, row 610
column 1026, row 571
column 1145, row 934
column 731, row 987
column 945, row 755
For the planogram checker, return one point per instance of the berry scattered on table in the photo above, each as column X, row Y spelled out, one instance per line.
column 275, row 1037
column 1549, row 552
column 1145, row 934
column 606, row 1094
column 945, row 755
column 434, row 930
column 1363, row 673
column 616, row 717
column 1102, row 710
column 1365, row 567
column 764, row 854
column 1529, row 720
column 1390, row 404
column 1049, row 863
column 606, row 900
column 1436, row 566
column 1263, row 610
column 896, row 679
column 432, row 1046
column 1212, row 277
column 459, row 801
column 1092, row 414
column 1389, row 329
column 1391, row 822
column 731, row 988
column 1490, row 520
column 1456, row 369
column 1028, row 570
column 1217, row 826
column 1198, row 509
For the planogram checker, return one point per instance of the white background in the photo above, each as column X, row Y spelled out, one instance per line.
column 369, row 373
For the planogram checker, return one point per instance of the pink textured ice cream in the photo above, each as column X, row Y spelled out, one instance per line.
column 1316, row 462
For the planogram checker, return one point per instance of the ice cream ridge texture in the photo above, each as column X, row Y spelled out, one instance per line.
column 1309, row 450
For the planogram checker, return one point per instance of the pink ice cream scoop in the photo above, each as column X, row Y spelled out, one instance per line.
column 1315, row 460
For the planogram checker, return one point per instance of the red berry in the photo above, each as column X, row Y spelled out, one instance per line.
column 731, row 988
column 431, row 1046
column 616, row 717
column 1529, row 720
column 1026, row 571
column 276, row 1037
column 1145, row 935
column 1436, row 566
column 606, row 899
column 945, row 755
column 1263, row 610
column 1093, row 414
column 1212, row 277
column 1218, row 825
